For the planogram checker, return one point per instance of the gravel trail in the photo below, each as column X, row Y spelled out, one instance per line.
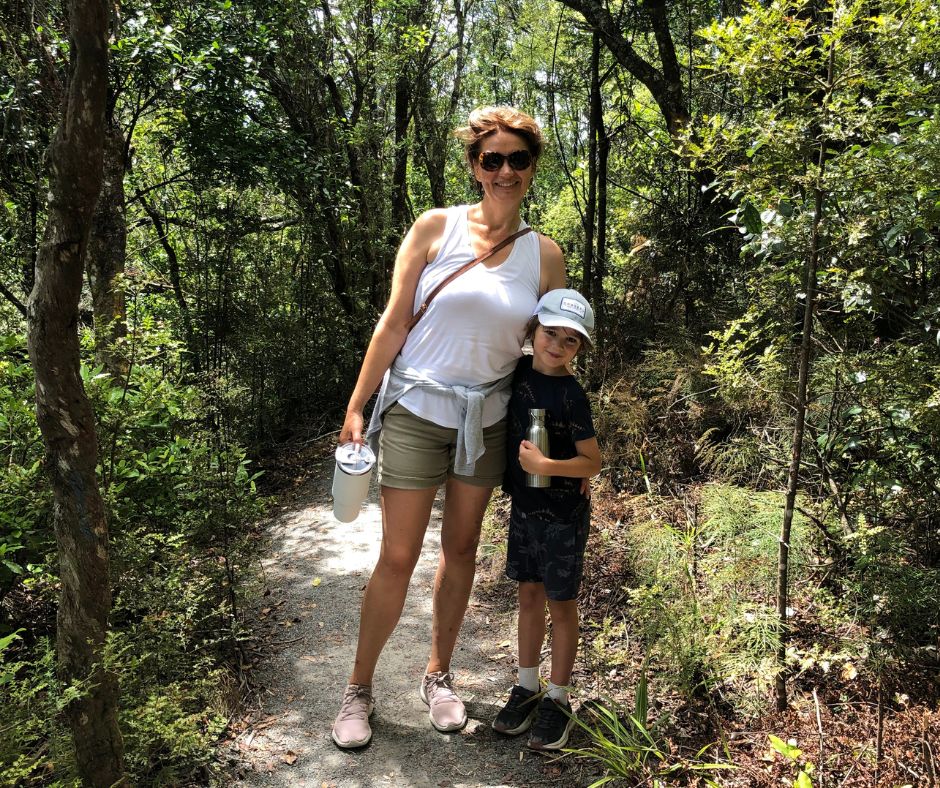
column 315, row 570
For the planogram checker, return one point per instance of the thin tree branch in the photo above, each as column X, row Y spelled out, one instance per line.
column 11, row 297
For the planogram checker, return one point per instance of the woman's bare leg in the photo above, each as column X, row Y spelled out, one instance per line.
column 405, row 515
column 464, row 505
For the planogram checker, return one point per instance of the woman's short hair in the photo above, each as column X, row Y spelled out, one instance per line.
column 485, row 121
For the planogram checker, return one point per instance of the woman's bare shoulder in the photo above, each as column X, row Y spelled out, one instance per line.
column 552, row 264
column 431, row 222
column 549, row 248
column 427, row 232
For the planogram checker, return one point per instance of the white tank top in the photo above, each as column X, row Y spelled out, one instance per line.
column 473, row 330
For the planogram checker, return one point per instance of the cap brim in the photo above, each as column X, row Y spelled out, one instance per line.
column 559, row 321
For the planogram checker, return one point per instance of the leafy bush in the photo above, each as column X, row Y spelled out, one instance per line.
column 703, row 594
column 181, row 499
column 33, row 745
column 170, row 733
column 648, row 417
column 25, row 531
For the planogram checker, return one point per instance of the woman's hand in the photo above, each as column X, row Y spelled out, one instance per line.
column 352, row 428
column 531, row 458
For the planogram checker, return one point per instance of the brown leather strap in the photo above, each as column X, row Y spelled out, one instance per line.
column 460, row 271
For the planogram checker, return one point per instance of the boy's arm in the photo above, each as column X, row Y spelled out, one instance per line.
column 587, row 463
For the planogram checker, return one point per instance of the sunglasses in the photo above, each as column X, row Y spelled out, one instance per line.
column 491, row 161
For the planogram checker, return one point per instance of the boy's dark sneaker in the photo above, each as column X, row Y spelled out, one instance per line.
column 516, row 716
column 553, row 722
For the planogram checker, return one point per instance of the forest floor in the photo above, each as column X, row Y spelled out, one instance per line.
column 306, row 617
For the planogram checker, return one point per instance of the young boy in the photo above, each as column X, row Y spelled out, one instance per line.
column 548, row 527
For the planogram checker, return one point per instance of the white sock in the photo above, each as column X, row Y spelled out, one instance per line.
column 557, row 693
column 529, row 678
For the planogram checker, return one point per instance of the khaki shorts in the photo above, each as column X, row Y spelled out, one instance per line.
column 415, row 454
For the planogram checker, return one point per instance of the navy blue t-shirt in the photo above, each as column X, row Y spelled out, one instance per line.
column 568, row 420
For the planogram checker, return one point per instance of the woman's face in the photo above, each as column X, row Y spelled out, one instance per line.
column 504, row 184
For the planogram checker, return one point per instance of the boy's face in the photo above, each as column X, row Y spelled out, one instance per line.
column 553, row 347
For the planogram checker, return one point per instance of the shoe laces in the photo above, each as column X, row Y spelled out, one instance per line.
column 519, row 698
column 440, row 685
column 350, row 708
column 551, row 713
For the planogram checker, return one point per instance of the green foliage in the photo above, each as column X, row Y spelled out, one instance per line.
column 793, row 754
column 170, row 733
column 181, row 499
column 703, row 592
column 32, row 700
column 649, row 416
column 25, row 532
column 870, row 454
column 629, row 747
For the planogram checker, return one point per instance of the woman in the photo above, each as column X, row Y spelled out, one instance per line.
column 450, row 379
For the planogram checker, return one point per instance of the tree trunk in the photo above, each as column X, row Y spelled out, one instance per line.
column 173, row 266
column 105, row 258
column 400, row 214
column 63, row 411
column 664, row 83
column 432, row 129
column 590, row 205
column 806, row 346
column 600, row 259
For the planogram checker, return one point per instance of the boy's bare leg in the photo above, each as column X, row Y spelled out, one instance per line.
column 564, row 639
column 531, row 623
column 405, row 515
column 464, row 506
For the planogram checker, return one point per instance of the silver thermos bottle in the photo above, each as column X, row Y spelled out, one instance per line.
column 538, row 435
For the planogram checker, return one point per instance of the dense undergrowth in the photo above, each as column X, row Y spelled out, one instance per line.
column 682, row 571
column 181, row 499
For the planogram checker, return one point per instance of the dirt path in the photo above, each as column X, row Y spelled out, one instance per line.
column 315, row 571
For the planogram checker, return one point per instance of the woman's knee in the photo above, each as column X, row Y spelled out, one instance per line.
column 462, row 547
column 397, row 561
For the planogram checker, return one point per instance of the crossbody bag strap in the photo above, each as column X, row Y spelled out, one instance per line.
column 460, row 271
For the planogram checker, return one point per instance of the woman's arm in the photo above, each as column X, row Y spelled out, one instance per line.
column 552, row 264
column 587, row 462
column 391, row 330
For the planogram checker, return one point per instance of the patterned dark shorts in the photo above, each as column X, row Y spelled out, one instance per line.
column 548, row 553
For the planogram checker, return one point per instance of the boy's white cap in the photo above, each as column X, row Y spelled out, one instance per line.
column 566, row 309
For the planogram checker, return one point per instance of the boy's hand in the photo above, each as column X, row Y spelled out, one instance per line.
column 586, row 488
column 531, row 458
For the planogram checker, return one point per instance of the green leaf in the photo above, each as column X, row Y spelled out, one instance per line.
column 6, row 641
column 16, row 569
column 891, row 236
column 750, row 218
column 786, row 750
column 642, row 697
column 802, row 781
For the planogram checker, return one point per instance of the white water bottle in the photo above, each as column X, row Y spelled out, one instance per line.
column 351, row 477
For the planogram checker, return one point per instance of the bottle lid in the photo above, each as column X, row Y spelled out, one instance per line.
column 355, row 458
